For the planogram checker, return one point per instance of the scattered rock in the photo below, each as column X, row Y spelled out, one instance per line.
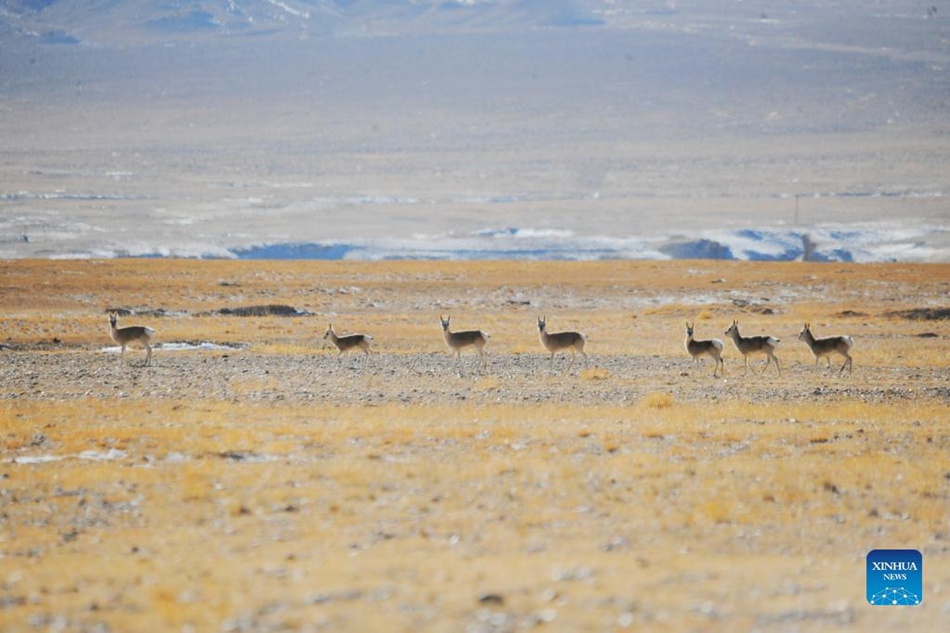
column 920, row 314
column 260, row 311
column 491, row 598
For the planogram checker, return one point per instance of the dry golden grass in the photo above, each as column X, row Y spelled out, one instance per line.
column 257, row 492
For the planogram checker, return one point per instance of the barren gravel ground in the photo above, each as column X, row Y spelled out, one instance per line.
column 431, row 378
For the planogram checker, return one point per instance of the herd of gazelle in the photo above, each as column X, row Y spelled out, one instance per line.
column 572, row 342
column 749, row 345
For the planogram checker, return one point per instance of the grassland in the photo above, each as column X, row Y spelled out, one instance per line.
column 267, row 484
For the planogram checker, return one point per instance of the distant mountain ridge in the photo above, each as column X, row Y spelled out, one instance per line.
column 140, row 21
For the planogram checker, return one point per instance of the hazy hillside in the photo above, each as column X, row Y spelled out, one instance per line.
column 883, row 24
column 142, row 20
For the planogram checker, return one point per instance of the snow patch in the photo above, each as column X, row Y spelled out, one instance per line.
column 827, row 242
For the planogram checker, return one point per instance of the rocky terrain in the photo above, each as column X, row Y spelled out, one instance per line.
column 431, row 378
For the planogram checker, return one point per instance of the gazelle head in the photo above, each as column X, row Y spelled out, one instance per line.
column 445, row 322
column 689, row 328
column 542, row 323
column 328, row 332
column 113, row 318
column 732, row 328
column 805, row 332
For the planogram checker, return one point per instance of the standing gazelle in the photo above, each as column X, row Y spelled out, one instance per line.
column 554, row 343
column 457, row 341
column 709, row 347
column 350, row 342
column 754, row 345
column 133, row 334
column 827, row 345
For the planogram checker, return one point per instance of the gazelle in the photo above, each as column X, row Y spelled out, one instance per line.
column 554, row 343
column 710, row 347
column 350, row 342
column 754, row 345
column 457, row 341
column 125, row 336
column 827, row 345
